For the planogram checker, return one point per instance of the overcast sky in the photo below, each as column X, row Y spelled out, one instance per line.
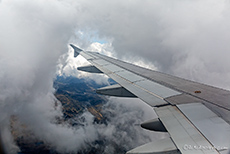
column 187, row 38
column 184, row 38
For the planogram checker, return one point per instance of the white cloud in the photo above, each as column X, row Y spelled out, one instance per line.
column 33, row 36
column 186, row 38
column 167, row 34
column 68, row 64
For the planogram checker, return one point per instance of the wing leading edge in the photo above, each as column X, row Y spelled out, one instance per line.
column 195, row 115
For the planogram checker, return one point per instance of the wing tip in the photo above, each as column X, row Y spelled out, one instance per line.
column 76, row 50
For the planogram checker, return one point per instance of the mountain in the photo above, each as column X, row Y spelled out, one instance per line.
column 113, row 124
column 76, row 95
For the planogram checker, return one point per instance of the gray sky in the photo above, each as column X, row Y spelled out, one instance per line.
column 184, row 38
column 187, row 38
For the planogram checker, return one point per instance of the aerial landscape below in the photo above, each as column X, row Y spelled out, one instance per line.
column 76, row 96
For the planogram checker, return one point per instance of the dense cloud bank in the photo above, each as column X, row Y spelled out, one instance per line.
column 33, row 36
column 186, row 38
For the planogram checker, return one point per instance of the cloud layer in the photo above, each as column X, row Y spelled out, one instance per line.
column 185, row 38
column 33, row 36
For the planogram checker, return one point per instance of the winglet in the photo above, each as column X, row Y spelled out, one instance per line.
column 76, row 50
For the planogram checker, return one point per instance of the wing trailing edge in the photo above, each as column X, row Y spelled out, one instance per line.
column 163, row 146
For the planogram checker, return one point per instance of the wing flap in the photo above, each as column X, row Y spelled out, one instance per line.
column 185, row 136
column 215, row 129
column 163, row 146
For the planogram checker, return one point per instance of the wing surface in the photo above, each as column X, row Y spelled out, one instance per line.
column 195, row 115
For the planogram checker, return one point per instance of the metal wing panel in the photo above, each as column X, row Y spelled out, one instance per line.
column 186, row 137
column 133, row 82
column 154, row 87
column 217, row 96
column 130, row 76
column 215, row 129
column 86, row 56
column 113, row 68
column 216, row 99
column 91, row 54
column 159, row 89
column 141, row 93
column 101, row 68
column 101, row 62
column 163, row 146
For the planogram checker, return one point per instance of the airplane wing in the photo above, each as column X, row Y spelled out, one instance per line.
column 196, row 116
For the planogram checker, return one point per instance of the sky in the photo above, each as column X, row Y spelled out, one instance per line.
column 186, row 38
